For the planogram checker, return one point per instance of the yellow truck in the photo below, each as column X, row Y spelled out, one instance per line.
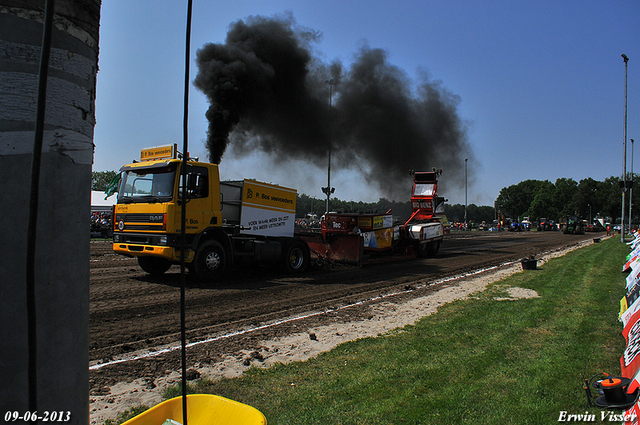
column 227, row 223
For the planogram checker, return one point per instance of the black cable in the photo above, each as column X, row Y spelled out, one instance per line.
column 183, row 239
column 588, row 384
column 588, row 392
column 43, row 73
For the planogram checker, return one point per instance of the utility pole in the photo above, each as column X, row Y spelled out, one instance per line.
column 329, row 190
column 624, row 172
column 631, row 187
column 465, row 194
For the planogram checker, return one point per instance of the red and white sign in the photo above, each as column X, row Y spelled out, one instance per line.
column 630, row 360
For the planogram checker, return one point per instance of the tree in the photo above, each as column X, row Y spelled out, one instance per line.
column 515, row 200
column 100, row 179
column 564, row 196
column 306, row 204
column 455, row 212
column 543, row 202
column 636, row 196
column 590, row 197
column 478, row 214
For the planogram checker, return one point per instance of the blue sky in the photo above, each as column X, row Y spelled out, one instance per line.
column 541, row 83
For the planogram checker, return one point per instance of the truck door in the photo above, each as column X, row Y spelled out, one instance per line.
column 198, row 199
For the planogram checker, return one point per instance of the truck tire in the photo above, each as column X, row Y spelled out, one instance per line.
column 428, row 249
column 210, row 261
column 423, row 250
column 296, row 257
column 433, row 248
column 154, row 266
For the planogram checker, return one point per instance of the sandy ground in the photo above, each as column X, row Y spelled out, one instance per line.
column 386, row 315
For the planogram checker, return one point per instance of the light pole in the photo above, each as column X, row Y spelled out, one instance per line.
column 465, row 194
column 631, row 187
column 624, row 172
column 329, row 190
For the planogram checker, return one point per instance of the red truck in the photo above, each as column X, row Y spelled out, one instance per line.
column 356, row 238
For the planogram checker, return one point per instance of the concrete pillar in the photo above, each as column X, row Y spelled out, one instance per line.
column 62, row 251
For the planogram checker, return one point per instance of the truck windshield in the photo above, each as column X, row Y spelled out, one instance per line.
column 423, row 189
column 147, row 185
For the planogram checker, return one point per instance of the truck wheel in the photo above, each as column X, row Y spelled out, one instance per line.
column 423, row 250
column 428, row 249
column 210, row 261
column 154, row 266
column 296, row 258
column 433, row 248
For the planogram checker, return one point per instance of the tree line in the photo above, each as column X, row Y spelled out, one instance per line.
column 589, row 198
column 306, row 204
column 454, row 213
column 535, row 199
column 100, row 179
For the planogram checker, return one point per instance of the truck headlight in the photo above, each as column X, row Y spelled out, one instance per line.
column 162, row 240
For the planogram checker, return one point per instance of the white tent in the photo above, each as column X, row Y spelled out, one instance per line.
column 99, row 204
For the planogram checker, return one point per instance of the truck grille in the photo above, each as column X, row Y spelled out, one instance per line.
column 137, row 222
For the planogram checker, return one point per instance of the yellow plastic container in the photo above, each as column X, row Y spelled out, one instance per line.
column 202, row 409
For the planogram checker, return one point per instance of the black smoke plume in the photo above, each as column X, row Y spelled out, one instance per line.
column 268, row 91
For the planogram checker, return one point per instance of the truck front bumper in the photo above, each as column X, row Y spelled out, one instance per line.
column 135, row 245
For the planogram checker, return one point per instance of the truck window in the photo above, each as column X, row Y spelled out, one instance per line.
column 197, row 182
column 141, row 185
column 147, row 185
column 423, row 189
column 163, row 184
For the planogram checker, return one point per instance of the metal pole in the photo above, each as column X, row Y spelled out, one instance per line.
column 624, row 173
column 330, row 84
column 183, row 224
column 631, row 187
column 328, row 180
column 465, row 194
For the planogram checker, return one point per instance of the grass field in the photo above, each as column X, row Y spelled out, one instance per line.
column 482, row 360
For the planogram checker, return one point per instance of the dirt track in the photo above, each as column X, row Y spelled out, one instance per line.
column 130, row 311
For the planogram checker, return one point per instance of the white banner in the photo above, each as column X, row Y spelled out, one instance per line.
column 264, row 222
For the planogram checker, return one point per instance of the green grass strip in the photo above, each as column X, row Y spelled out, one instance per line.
column 479, row 360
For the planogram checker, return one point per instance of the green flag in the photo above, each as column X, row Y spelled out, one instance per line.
column 112, row 187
